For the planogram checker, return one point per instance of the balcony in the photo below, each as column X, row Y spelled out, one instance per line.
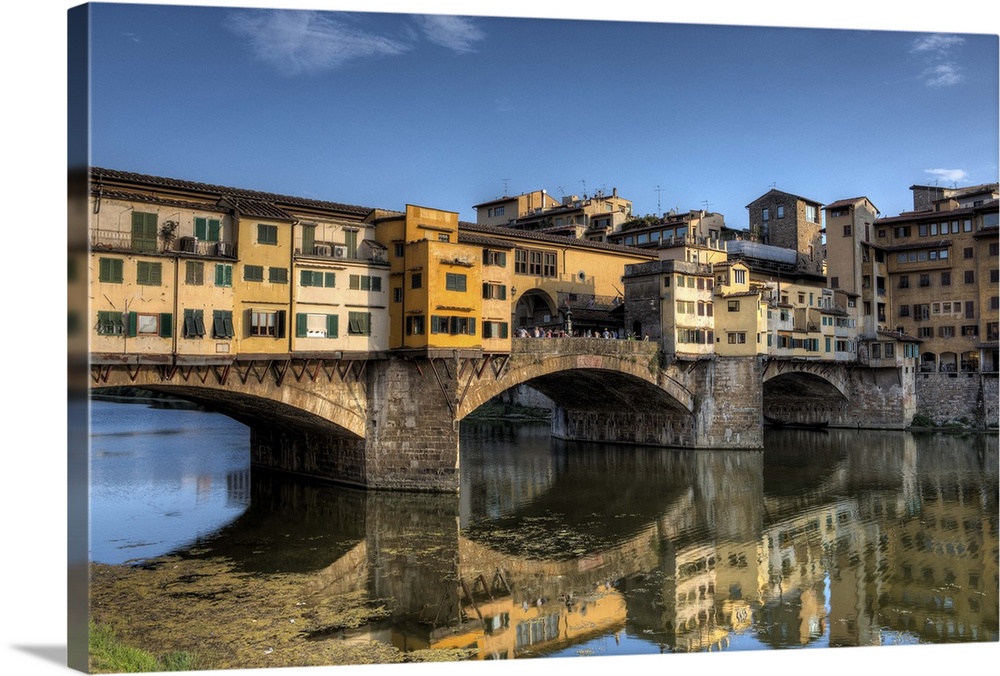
column 114, row 240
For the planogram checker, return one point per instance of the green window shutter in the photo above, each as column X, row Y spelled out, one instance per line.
column 308, row 238
column 143, row 231
column 305, row 278
column 354, row 282
column 166, row 325
column 330, row 279
column 201, row 228
column 301, row 321
column 503, row 329
column 133, row 322
column 155, row 274
column 199, row 323
column 219, row 279
column 214, row 229
column 472, row 326
column 332, row 326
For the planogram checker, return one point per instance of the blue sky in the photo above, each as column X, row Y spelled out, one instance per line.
column 384, row 109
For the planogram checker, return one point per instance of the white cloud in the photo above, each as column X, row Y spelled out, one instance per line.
column 942, row 75
column 936, row 44
column 936, row 50
column 297, row 42
column 454, row 32
column 948, row 175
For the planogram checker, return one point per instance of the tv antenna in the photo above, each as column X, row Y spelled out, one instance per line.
column 562, row 190
column 505, row 186
column 658, row 190
column 584, row 188
column 705, row 204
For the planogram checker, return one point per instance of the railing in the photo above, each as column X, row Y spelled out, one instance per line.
column 114, row 240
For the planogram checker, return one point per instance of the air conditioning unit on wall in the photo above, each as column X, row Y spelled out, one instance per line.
column 321, row 250
column 339, row 251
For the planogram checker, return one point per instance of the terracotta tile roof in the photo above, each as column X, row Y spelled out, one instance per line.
column 846, row 202
column 917, row 245
column 898, row 336
column 557, row 240
column 106, row 193
column 913, row 216
column 479, row 240
column 100, row 175
column 257, row 208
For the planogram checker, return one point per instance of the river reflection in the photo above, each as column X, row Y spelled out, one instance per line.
column 836, row 538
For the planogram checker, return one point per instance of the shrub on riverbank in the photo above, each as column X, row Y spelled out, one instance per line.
column 109, row 655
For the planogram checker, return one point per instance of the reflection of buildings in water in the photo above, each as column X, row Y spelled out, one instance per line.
column 238, row 488
column 944, row 573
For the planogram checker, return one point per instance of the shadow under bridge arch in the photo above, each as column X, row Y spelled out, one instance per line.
column 605, row 390
column 804, row 397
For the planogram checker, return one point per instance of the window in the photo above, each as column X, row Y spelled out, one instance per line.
column 925, row 280
column 267, row 234
column 365, row 283
column 994, row 248
column 222, row 324
column 308, row 239
column 277, row 275
column 494, row 291
column 194, row 273
column 925, row 332
column 144, row 233
column 223, row 274
column 904, row 231
column 416, row 281
column 520, row 261
column 415, row 325
column 811, row 214
column 398, row 249
column 968, row 252
column 453, row 325
column 110, row 270
column 148, row 274
column 995, row 302
column 781, row 211
column 495, row 329
column 397, row 294
column 733, row 306
column 970, row 309
column 946, row 331
column 253, row 273
column 739, row 276
column 495, row 211
column 922, row 229
column 835, row 282
column 889, row 350
column 351, row 242
column 549, row 265
column 535, row 263
column 266, row 323
column 207, row 229
column 150, row 324
column 904, row 281
column 738, row 338
column 765, row 214
column 316, row 325
column 359, row 323
column 946, row 278
column 904, row 310
column 970, row 330
column 994, row 276
column 847, row 230
column 317, row 278
column 454, row 282
column 194, row 323
column 970, row 276
column 967, row 225
column 494, row 257
column 110, row 324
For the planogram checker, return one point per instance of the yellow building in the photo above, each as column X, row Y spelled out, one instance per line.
column 740, row 316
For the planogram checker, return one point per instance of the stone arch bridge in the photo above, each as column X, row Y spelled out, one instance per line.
column 390, row 421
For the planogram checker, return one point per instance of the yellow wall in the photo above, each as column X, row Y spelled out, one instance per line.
column 262, row 296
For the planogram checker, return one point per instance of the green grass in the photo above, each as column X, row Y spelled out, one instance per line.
column 109, row 655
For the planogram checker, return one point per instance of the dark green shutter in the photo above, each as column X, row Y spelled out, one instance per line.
column 166, row 325
column 143, row 231
column 301, row 321
column 214, row 229
column 132, row 324
column 200, row 228
column 330, row 279
column 332, row 326
column 305, row 278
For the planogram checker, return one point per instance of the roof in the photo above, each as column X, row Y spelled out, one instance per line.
column 775, row 191
column 917, row 245
column 479, row 240
column 848, row 202
column 158, row 199
column 258, row 208
column 898, row 335
column 929, row 215
column 558, row 240
column 99, row 175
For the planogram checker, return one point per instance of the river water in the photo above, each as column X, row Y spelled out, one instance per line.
column 823, row 539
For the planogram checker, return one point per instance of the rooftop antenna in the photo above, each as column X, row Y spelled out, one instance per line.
column 705, row 204
column 505, row 186
column 562, row 190
column 584, row 188
column 658, row 190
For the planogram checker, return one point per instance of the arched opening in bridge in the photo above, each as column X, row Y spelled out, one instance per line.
column 536, row 308
column 802, row 398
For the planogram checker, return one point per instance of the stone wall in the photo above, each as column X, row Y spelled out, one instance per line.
column 958, row 397
column 308, row 452
column 728, row 403
column 412, row 435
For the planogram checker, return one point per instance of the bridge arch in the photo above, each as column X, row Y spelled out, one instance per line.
column 254, row 393
column 583, row 374
column 533, row 306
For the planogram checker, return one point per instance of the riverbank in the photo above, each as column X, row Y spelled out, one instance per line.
column 222, row 618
